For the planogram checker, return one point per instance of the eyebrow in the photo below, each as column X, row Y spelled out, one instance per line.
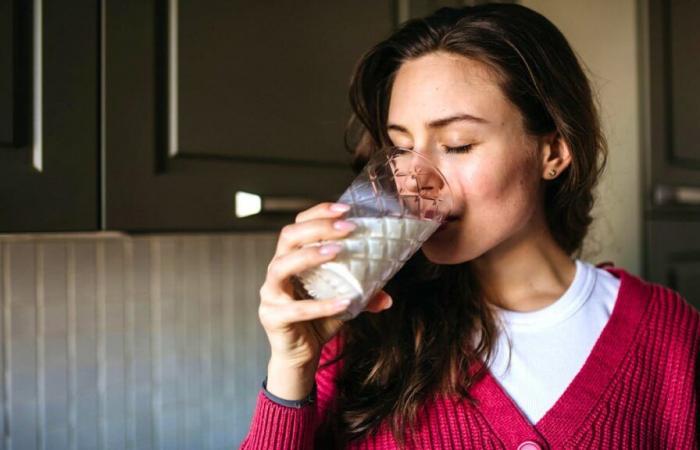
column 440, row 123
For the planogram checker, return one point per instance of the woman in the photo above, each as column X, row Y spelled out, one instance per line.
column 495, row 335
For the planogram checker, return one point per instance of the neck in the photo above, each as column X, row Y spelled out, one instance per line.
column 527, row 272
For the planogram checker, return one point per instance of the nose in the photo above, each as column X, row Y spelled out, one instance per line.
column 423, row 181
column 418, row 175
column 421, row 185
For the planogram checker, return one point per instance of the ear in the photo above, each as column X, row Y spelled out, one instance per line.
column 556, row 155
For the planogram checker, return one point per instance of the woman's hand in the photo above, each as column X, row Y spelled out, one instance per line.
column 297, row 329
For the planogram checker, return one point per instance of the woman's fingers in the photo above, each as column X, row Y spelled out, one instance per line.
column 280, row 315
column 290, row 237
column 295, row 235
column 297, row 261
column 379, row 302
column 326, row 209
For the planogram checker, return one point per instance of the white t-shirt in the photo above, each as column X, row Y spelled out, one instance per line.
column 550, row 345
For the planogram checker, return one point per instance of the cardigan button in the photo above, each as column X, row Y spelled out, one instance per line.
column 529, row 445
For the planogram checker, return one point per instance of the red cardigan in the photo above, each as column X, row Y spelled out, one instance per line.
column 637, row 389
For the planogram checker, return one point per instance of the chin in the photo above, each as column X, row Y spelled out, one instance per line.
column 444, row 256
column 452, row 247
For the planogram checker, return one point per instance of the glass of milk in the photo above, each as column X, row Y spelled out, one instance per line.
column 397, row 201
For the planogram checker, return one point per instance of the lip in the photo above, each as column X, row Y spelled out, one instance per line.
column 446, row 222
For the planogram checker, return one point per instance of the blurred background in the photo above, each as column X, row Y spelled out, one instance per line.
column 150, row 151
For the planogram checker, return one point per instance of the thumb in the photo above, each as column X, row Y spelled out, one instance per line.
column 379, row 302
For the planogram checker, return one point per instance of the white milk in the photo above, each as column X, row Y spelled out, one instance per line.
column 372, row 254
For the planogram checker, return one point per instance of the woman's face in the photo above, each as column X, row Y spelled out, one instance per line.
column 452, row 109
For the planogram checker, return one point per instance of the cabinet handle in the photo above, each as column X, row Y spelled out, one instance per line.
column 248, row 204
column 680, row 195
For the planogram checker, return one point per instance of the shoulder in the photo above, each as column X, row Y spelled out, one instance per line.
column 665, row 313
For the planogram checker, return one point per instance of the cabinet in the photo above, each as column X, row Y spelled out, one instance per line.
column 149, row 115
column 208, row 98
column 49, row 102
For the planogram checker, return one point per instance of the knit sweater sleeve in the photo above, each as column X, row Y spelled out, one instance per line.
column 278, row 427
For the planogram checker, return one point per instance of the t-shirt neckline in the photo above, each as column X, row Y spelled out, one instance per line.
column 573, row 298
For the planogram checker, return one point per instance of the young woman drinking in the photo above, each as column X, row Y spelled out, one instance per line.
column 495, row 334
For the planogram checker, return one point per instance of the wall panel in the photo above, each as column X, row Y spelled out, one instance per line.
column 121, row 342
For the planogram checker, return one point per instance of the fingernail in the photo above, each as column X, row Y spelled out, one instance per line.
column 342, row 303
column 344, row 225
column 340, row 207
column 330, row 249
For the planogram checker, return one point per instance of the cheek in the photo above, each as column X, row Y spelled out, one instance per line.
column 499, row 186
column 490, row 179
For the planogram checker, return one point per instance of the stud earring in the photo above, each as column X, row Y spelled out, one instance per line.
column 552, row 172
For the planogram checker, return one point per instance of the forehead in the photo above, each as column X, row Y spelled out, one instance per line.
column 441, row 83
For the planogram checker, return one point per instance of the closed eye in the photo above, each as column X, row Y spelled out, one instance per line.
column 460, row 149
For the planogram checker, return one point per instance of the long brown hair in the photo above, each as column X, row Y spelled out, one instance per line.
column 439, row 324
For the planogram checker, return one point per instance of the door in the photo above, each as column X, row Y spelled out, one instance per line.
column 672, row 209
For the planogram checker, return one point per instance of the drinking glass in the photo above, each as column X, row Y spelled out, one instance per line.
column 397, row 202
